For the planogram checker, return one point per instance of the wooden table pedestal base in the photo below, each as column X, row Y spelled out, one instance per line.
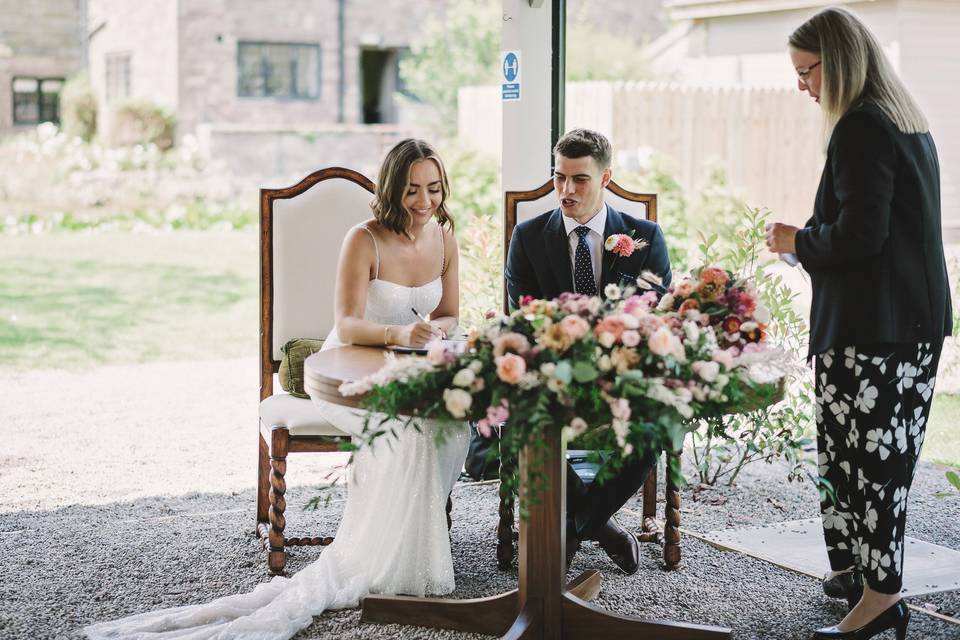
column 543, row 606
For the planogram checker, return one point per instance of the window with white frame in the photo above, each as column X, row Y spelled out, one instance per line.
column 117, row 70
column 278, row 70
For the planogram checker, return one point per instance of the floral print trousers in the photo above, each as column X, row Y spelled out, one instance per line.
column 872, row 408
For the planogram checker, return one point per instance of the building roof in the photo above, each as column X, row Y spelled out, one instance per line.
column 698, row 9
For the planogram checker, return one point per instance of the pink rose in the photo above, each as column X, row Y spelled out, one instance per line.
column 612, row 325
column 630, row 338
column 620, row 408
column 723, row 357
column 438, row 354
column 510, row 368
column 574, row 326
column 500, row 413
column 661, row 341
column 684, row 288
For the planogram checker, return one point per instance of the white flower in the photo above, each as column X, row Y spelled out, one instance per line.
column 604, row 363
column 666, row 302
column 457, row 402
column 649, row 276
column 529, row 380
column 706, row 370
column 476, row 366
column 464, row 378
column 761, row 314
column 606, row 339
column 867, row 397
column 692, row 330
column 548, row 369
column 833, row 519
column 879, row 440
column 747, row 327
column 906, row 372
column 872, row 518
column 630, row 338
column 612, row 291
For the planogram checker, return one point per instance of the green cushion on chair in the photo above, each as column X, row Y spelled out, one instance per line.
column 295, row 351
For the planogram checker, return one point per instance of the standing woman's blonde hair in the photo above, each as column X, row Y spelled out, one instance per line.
column 394, row 180
column 855, row 69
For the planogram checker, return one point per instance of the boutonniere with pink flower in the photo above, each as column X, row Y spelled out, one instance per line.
column 621, row 244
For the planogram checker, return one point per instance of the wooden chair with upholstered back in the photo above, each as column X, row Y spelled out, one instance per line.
column 523, row 205
column 301, row 231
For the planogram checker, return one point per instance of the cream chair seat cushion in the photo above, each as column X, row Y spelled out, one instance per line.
column 299, row 415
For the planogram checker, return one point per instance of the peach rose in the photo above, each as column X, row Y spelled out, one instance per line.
column 510, row 368
column 574, row 326
column 515, row 342
column 661, row 341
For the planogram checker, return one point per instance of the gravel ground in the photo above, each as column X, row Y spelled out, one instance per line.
column 125, row 489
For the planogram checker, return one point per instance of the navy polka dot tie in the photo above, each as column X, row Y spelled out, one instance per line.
column 583, row 280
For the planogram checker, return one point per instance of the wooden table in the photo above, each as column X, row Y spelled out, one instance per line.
column 545, row 605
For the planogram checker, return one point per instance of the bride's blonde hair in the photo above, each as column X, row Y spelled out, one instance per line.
column 855, row 69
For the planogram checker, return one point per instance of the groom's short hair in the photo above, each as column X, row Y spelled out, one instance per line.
column 578, row 143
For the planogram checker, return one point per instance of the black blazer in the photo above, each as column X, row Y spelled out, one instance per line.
column 538, row 262
column 873, row 247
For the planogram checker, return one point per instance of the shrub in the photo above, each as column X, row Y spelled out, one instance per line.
column 142, row 122
column 78, row 108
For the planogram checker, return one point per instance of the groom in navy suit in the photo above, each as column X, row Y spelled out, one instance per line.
column 563, row 250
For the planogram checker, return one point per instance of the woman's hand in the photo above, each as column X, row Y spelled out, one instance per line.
column 781, row 238
column 415, row 334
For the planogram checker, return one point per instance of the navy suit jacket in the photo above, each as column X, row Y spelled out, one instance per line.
column 538, row 262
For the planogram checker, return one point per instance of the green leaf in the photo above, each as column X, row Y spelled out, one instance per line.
column 564, row 372
column 954, row 479
column 585, row 372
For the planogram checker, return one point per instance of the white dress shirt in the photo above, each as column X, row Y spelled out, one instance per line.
column 594, row 240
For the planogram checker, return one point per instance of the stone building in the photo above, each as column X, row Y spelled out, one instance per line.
column 261, row 83
column 41, row 44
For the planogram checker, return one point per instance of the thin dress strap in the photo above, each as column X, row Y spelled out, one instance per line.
column 443, row 254
column 376, row 248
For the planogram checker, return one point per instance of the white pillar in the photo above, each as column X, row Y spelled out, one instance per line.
column 528, row 30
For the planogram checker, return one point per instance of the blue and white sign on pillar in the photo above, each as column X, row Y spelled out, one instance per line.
column 510, row 68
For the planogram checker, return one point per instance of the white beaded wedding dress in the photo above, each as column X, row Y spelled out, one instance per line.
column 392, row 539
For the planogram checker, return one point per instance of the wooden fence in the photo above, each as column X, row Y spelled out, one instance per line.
column 768, row 140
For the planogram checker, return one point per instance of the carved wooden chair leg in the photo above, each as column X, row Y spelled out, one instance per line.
column 671, row 534
column 449, row 509
column 505, row 525
column 650, row 528
column 263, row 483
column 277, row 555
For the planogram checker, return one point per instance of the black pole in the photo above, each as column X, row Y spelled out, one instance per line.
column 559, row 71
column 341, row 66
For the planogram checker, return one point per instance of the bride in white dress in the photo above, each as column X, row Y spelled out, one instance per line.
column 393, row 537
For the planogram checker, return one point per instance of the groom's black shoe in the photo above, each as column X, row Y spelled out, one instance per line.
column 620, row 545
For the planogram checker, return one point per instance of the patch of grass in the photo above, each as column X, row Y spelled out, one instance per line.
column 942, row 440
column 78, row 300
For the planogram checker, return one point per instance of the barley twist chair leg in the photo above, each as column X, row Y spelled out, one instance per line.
column 505, row 525
column 277, row 555
column 671, row 530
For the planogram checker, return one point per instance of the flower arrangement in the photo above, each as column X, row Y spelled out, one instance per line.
column 636, row 367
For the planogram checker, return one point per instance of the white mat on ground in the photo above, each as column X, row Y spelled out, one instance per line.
column 798, row 545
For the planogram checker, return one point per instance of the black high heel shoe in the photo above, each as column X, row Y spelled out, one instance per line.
column 896, row 617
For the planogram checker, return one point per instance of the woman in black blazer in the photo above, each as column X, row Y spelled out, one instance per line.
column 881, row 308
